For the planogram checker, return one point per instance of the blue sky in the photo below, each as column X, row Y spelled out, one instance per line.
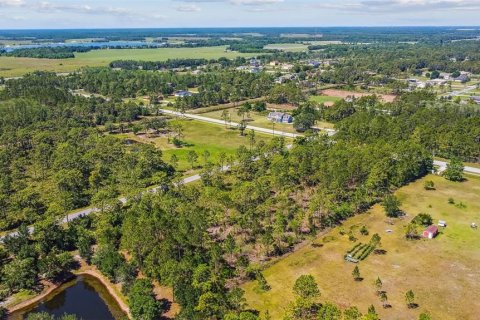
column 235, row 13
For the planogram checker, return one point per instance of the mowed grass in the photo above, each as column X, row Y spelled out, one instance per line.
column 14, row 67
column 256, row 119
column 291, row 47
column 200, row 137
column 443, row 272
column 324, row 99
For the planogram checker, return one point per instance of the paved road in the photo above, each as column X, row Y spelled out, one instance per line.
column 330, row 132
column 88, row 211
column 233, row 124
column 443, row 165
column 463, row 91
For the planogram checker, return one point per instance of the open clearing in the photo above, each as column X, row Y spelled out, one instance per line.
column 200, row 137
column 292, row 47
column 327, row 100
column 259, row 119
column 14, row 67
column 345, row 94
column 443, row 273
column 255, row 119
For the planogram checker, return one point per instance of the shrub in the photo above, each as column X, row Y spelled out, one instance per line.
column 423, row 219
column 364, row 231
column 429, row 185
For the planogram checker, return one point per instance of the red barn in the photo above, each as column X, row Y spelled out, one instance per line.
column 431, row 232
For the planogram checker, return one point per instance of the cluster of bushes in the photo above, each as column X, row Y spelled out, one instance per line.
column 361, row 250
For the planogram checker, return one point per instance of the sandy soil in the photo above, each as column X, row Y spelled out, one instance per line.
column 49, row 287
column 344, row 94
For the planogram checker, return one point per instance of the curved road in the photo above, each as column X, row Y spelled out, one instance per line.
column 234, row 124
column 87, row 211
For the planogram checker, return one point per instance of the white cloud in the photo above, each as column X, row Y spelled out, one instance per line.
column 12, row 3
column 188, row 8
column 255, row 2
column 400, row 6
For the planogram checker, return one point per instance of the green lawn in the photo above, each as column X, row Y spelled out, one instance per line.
column 13, row 67
column 292, row 47
column 324, row 99
column 199, row 136
column 256, row 119
column 443, row 273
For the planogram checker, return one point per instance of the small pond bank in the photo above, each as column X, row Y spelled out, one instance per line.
column 86, row 296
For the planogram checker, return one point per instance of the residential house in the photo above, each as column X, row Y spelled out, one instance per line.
column 462, row 78
column 445, row 75
column 437, row 82
column 183, row 94
column 314, row 64
column 431, row 232
column 254, row 63
column 280, row 117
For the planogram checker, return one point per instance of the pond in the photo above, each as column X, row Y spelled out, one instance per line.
column 85, row 296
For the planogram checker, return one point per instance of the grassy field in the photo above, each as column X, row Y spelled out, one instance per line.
column 260, row 120
column 256, row 119
column 443, row 273
column 199, row 136
column 292, row 47
column 324, row 99
column 14, row 67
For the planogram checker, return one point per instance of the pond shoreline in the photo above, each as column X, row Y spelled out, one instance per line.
column 51, row 287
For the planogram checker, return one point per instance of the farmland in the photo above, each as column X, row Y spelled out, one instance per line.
column 14, row 67
column 292, row 47
column 441, row 272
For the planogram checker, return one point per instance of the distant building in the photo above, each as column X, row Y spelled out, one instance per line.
column 255, row 70
column 462, row 78
column 254, row 63
column 437, row 82
column 183, row 94
column 314, row 64
column 445, row 75
column 475, row 99
column 280, row 117
column 431, row 232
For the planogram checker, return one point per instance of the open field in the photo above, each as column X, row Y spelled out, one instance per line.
column 260, row 120
column 14, row 67
column 199, row 136
column 443, row 273
column 292, row 47
column 255, row 119
column 344, row 94
column 327, row 100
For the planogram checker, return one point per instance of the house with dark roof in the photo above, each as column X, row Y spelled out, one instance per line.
column 280, row 117
column 183, row 94
column 462, row 78
column 431, row 232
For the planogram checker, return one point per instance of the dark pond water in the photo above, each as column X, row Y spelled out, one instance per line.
column 86, row 297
